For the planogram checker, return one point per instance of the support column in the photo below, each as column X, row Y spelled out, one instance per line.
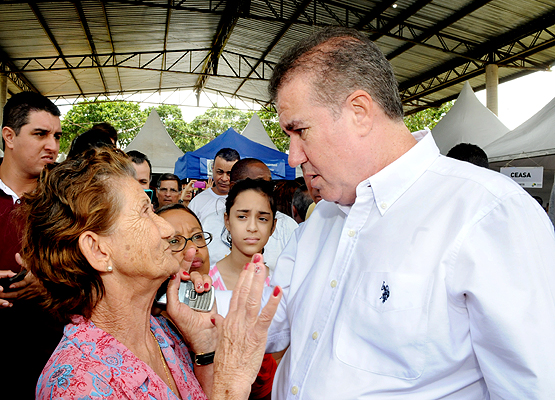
column 492, row 82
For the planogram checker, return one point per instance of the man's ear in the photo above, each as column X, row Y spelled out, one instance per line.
column 95, row 251
column 8, row 134
column 363, row 109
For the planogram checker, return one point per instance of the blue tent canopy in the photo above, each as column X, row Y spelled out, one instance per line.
column 195, row 164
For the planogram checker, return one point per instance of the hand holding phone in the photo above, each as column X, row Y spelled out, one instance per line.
column 196, row 301
column 6, row 282
column 200, row 185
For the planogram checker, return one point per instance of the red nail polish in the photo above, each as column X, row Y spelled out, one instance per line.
column 257, row 270
column 256, row 258
column 186, row 274
column 247, row 266
column 206, row 285
column 213, row 320
column 276, row 291
column 172, row 277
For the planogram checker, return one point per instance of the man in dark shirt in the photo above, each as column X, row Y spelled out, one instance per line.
column 31, row 132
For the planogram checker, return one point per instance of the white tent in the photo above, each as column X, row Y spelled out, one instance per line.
column 255, row 131
column 533, row 138
column 154, row 141
column 468, row 121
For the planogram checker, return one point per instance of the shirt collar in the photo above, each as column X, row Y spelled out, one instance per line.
column 8, row 191
column 391, row 182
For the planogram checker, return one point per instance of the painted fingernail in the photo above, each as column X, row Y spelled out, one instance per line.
column 206, row 285
column 276, row 291
column 199, row 285
column 172, row 277
column 247, row 266
column 186, row 274
column 256, row 258
column 213, row 320
column 257, row 270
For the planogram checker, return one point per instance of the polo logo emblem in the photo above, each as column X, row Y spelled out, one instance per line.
column 385, row 292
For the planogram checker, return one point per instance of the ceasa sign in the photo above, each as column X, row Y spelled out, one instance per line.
column 528, row 177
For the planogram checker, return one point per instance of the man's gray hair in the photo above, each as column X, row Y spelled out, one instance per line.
column 340, row 61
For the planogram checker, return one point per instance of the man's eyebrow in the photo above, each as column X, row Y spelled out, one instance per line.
column 291, row 126
column 264, row 212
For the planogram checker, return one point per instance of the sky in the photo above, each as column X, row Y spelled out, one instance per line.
column 521, row 98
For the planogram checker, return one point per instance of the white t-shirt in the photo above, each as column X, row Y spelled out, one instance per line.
column 206, row 203
column 437, row 283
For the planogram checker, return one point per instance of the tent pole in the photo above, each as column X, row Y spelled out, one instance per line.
column 492, row 82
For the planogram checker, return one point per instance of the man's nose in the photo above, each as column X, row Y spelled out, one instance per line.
column 296, row 153
column 51, row 143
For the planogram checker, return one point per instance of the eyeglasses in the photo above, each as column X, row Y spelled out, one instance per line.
column 178, row 242
column 168, row 190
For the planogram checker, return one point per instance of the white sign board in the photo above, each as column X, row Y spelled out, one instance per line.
column 528, row 177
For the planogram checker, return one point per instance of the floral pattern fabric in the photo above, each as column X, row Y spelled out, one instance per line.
column 90, row 364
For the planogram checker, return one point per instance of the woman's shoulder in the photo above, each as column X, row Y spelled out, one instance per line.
column 217, row 280
column 84, row 364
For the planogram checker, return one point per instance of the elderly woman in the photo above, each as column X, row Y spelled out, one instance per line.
column 101, row 253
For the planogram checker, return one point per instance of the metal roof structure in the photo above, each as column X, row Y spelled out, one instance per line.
column 96, row 48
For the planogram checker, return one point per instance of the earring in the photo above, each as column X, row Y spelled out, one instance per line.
column 109, row 268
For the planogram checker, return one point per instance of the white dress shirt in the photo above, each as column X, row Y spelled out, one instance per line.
column 437, row 283
column 207, row 202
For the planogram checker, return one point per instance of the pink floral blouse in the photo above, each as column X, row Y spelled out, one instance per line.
column 91, row 364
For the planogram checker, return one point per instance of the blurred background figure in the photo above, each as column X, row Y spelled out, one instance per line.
column 168, row 189
column 300, row 203
column 470, row 153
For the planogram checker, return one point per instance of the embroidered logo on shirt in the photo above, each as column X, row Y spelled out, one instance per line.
column 385, row 292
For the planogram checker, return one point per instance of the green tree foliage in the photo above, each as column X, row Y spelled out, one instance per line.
column 126, row 117
column 427, row 118
column 214, row 122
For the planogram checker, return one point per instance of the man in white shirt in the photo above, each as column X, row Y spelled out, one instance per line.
column 213, row 199
column 419, row 276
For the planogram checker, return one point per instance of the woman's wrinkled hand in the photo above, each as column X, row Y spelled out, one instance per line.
column 196, row 327
column 243, row 333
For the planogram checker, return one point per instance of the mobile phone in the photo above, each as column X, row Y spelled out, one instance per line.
column 197, row 301
column 6, row 282
column 199, row 184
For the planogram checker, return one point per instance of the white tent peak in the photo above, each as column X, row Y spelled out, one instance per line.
column 255, row 131
column 468, row 121
column 532, row 138
column 154, row 141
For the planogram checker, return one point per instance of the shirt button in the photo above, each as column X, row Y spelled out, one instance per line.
column 383, row 206
column 315, row 335
column 351, row 233
column 333, row 283
column 294, row 390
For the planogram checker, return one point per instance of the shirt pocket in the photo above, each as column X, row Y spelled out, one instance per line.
column 384, row 327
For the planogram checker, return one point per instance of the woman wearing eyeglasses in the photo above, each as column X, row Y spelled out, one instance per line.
column 188, row 233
